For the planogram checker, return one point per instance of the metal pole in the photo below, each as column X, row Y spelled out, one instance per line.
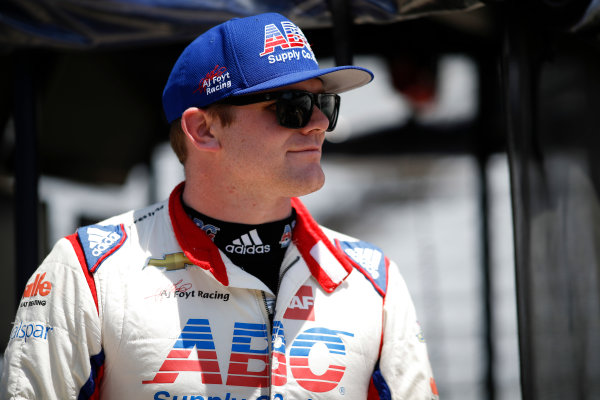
column 26, row 171
column 341, row 11
column 486, row 275
column 519, row 85
column 487, row 123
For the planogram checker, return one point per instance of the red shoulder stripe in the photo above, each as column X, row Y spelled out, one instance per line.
column 82, row 262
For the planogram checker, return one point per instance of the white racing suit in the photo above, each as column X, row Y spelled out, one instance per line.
column 144, row 306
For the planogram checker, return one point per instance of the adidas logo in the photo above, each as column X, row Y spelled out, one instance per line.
column 101, row 240
column 248, row 243
column 369, row 259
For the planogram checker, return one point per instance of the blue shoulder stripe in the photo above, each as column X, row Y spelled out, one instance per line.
column 369, row 260
column 100, row 241
column 378, row 381
column 92, row 385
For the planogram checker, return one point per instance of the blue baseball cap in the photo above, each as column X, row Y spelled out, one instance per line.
column 248, row 55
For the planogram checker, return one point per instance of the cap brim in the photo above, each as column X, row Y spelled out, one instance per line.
column 335, row 79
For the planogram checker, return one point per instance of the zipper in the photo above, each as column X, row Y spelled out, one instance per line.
column 270, row 316
column 269, row 335
column 264, row 296
column 285, row 270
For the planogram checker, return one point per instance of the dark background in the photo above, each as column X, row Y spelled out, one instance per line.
column 80, row 99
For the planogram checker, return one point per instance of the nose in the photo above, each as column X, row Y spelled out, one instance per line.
column 318, row 122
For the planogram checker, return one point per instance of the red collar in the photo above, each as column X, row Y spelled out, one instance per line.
column 327, row 263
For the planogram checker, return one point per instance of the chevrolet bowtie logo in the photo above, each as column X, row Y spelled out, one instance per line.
column 171, row 262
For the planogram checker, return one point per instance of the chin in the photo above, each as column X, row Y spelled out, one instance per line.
column 309, row 190
column 307, row 186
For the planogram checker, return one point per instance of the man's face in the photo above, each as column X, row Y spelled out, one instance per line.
column 265, row 158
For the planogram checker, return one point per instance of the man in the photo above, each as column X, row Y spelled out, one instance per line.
column 228, row 290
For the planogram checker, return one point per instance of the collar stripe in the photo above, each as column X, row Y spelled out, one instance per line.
column 198, row 248
column 306, row 236
column 327, row 264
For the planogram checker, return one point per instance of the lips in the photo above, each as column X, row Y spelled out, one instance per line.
column 306, row 149
column 307, row 145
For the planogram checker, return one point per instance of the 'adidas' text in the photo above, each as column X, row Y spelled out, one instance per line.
column 101, row 240
column 248, row 243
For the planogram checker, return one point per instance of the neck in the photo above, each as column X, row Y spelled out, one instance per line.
column 230, row 204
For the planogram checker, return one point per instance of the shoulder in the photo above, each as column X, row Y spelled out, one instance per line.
column 96, row 243
column 365, row 257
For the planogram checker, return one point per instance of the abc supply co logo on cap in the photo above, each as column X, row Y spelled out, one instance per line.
column 292, row 41
column 278, row 47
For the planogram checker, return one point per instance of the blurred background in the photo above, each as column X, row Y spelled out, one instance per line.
column 471, row 159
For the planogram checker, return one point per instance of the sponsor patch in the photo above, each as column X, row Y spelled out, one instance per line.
column 278, row 344
column 420, row 334
column 286, row 237
column 248, row 243
column 172, row 290
column 316, row 359
column 311, row 355
column 211, row 230
column 171, row 262
column 184, row 290
column 249, row 359
column 27, row 330
column 292, row 44
column 148, row 215
column 434, row 389
column 369, row 260
column 166, row 395
column 196, row 336
column 215, row 80
column 40, row 287
column 100, row 241
column 302, row 305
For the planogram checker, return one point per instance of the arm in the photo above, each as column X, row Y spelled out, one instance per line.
column 55, row 349
column 404, row 363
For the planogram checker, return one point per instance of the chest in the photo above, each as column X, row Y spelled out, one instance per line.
column 173, row 334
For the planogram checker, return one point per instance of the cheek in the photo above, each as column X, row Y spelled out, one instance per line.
column 257, row 138
column 254, row 151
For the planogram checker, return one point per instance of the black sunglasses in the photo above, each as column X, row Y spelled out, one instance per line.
column 294, row 107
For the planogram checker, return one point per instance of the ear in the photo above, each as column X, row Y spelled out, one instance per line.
column 196, row 123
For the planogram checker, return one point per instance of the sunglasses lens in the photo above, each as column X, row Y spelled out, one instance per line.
column 329, row 105
column 294, row 112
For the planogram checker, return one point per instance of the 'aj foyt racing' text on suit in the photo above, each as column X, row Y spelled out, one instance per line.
column 144, row 306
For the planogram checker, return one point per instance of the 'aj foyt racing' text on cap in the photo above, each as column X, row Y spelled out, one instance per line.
column 248, row 55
